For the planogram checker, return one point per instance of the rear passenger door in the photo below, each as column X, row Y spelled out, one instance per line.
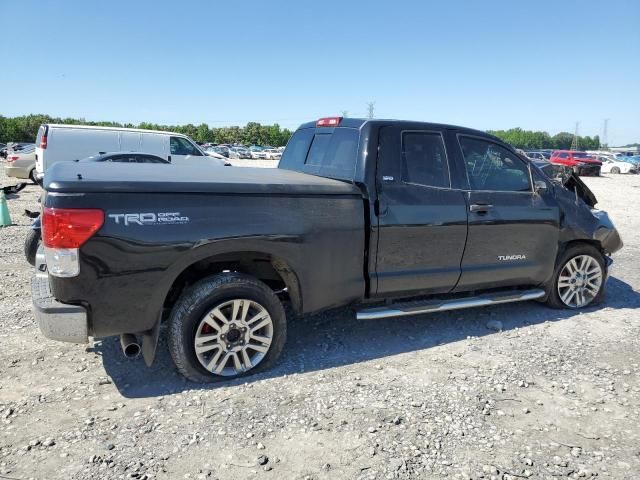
column 422, row 221
column 513, row 230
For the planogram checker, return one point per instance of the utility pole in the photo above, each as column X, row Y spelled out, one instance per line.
column 370, row 106
column 574, row 142
column 605, row 142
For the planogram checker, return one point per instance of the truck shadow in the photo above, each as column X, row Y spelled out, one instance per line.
column 336, row 338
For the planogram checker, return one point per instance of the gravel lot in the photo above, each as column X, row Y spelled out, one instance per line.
column 554, row 394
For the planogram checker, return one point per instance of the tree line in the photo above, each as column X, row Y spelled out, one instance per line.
column 25, row 129
column 532, row 140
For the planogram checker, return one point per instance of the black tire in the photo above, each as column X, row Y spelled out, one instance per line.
column 615, row 170
column 32, row 176
column 31, row 244
column 553, row 298
column 200, row 298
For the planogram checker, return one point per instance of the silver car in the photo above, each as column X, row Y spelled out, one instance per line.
column 21, row 164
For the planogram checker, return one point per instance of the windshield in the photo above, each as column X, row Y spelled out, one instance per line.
column 580, row 155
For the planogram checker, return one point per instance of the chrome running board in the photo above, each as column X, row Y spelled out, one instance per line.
column 430, row 306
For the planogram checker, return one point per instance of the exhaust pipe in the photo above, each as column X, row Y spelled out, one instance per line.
column 130, row 346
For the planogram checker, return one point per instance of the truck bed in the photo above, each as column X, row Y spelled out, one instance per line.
column 107, row 177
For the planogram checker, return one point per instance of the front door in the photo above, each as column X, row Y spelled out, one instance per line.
column 183, row 151
column 513, row 231
column 422, row 221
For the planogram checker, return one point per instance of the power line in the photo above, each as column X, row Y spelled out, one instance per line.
column 370, row 109
column 574, row 142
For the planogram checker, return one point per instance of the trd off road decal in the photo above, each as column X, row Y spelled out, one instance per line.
column 149, row 218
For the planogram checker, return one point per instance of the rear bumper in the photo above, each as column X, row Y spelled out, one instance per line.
column 57, row 321
column 16, row 172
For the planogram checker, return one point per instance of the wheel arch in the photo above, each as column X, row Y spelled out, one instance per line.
column 271, row 269
column 564, row 246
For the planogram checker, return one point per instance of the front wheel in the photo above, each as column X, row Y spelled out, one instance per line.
column 615, row 170
column 578, row 279
column 226, row 326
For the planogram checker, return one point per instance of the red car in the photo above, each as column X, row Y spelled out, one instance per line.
column 581, row 162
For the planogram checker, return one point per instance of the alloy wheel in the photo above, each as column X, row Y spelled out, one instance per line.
column 233, row 337
column 580, row 281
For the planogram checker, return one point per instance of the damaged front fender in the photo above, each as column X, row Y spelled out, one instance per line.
column 605, row 233
column 580, row 220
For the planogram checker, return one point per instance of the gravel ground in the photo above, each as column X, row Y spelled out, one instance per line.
column 549, row 394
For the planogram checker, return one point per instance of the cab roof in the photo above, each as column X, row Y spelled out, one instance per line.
column 358, row 123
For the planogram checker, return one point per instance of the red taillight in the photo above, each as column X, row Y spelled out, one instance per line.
column 43, row 141
column 69, row 227
column 12, row 159
column 329, row 122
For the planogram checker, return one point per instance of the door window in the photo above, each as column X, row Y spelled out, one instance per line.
column 182, row 146
column 424, row 160
column 493, row 167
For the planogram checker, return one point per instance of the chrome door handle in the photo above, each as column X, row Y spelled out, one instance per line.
column 480, row 208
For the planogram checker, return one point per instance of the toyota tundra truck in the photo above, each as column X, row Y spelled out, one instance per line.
column 392, row 218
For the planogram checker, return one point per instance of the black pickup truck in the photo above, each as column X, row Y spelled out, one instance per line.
column 391, row 217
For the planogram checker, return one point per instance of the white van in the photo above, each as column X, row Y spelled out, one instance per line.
column 57, row 143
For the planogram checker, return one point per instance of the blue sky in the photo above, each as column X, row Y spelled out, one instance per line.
column 485, row 64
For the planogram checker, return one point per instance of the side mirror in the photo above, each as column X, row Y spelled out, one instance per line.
column 540, row 186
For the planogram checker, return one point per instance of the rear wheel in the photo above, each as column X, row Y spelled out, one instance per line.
column 615, row 170
column 226, row 326
column 578, row 279
column 31, row 244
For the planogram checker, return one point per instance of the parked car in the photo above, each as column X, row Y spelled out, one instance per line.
column 239, row 152
column 22, row 164
column 431, row 218
column 127, row 157
column 212, row 153
column 536, row 155
column 56, row 143
column 272, row 154
column 220, row 150
column 14, row 147
column 581, row 162
column 635, row 160
column 257, row 152
column 614, row 166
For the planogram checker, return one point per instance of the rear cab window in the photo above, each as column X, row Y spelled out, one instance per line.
column 329, row 152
